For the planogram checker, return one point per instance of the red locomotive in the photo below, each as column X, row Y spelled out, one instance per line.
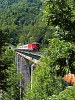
column 32, row 46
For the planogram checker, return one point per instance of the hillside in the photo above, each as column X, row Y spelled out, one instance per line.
column 15, row 15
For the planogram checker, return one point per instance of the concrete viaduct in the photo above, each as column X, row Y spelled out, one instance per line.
column 22, row 59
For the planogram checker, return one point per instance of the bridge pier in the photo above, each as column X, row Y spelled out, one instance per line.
column 23, row 68
column 32, row 69
column 22, row 59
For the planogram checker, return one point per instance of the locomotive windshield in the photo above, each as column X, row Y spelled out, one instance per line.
column 35, row 44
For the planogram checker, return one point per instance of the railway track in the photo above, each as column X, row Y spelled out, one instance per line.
column 30, row 52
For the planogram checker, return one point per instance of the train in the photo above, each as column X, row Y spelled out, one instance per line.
column 31, row 46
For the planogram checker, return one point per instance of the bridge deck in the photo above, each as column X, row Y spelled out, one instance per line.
column 32, row 56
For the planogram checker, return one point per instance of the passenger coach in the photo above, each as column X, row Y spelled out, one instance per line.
column 32, row 46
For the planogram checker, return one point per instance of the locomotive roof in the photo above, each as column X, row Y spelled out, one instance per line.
column 35, row 43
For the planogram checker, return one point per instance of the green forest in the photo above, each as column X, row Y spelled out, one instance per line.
column 51, row 23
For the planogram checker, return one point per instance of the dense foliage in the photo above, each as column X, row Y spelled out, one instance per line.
column 61, row 15
column 68, row 94
column 17, row 16
column 8, row 76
